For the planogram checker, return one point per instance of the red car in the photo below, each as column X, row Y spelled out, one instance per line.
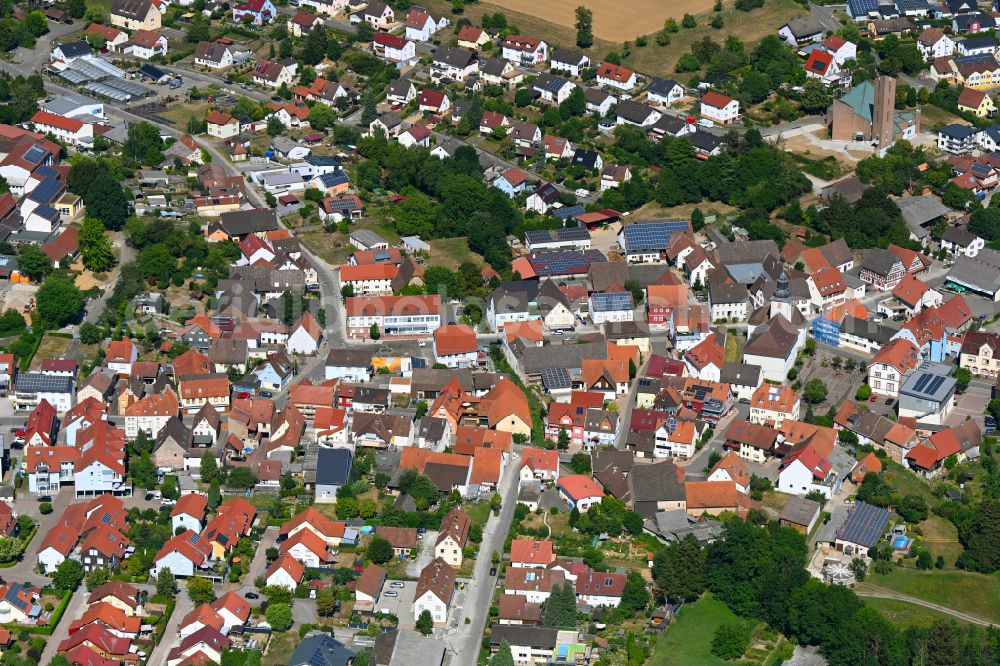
column 243, row 394
column 873, row 398
column 19, row 432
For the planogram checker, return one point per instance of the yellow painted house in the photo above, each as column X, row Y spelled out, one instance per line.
column 977, row 102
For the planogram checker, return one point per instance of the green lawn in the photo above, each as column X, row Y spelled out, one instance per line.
column 972, row 593
column 451, row 252
column 940, row 537
column 906, row 482
column 903, row 614
column 688, row 641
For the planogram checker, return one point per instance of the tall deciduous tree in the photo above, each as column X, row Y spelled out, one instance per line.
column 59, row 301
column 584, row 27
column 679, row 570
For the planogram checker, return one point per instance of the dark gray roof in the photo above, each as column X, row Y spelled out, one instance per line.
column 959, row 132
column 981, row 272
column 349, row 358
column 333, row 467
column 867, row 329
column 747, row 252
column 568, row 56
column 960, row 236
column 879, row 261
column 243, row 222
column 929, row 382
column 921, row 210
column 850, row 188
column 455, row 56
column 654, row 483
column 634, row 112
column 560, row 235
column 805, row 26
column 493, row 66
column 321, row 650
column 661, row 86
column 75, row 49
column 173, row 430
column 800, row 511
column 775, row 339
column 719, row 292
column 740, row 374
column 537, row 637
column 569, row 356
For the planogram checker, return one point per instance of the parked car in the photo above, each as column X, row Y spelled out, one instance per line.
column 266, row 394
column 397, row 583
column 252, row 595
column 390, row 593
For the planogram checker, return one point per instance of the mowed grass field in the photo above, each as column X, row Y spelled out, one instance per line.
column 750, row 27
column 903, row 614
column 972, row 593
column 688, row 642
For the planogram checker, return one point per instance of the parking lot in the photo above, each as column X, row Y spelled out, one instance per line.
column 400, row 605
column 971, row 404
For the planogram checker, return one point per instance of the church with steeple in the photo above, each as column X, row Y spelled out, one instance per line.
column 776, row 332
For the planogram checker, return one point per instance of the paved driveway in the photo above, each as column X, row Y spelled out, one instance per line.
column 76, row 607
column 259, row 563
column 424, row 557
column 183, row 607
column 400, row 605
column 971, row 404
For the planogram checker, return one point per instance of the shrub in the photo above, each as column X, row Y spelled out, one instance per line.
column 45, row 508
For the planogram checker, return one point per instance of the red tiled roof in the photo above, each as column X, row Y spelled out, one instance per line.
column 716, row 100
column 580, row 486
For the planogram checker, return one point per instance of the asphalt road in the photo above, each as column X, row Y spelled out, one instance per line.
column 463, row 645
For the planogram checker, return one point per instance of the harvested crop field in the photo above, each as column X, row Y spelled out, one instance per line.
column 615, row 21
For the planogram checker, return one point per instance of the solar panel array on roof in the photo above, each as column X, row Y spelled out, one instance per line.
column 560, row 235
column 45, row 191
column 35, row 154
column 861, row 7
column 651, row 235
column 606, row 302
column 556, row 378
column 341, row 204
column 565, row 263
column 864, row 525
column 566, row 212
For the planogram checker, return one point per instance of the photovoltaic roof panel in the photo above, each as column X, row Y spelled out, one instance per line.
column 652, row 235
column 565, row 263
column 865, row 524
column 556, row 378
column 921, row 382
column 567, row 212
column 604, row 302
column 935, row 385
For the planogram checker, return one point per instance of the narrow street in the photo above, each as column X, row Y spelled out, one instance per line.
column 74, row 610
column 463, row 643
column 184, row 606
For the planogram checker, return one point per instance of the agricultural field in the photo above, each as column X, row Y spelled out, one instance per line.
column 615, row 21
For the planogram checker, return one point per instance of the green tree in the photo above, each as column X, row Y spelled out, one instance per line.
column 143, row 144
column 209, row 468
column 580, row 463
column 68, row 575
column 241, row 477
column 105, row 200
column 96, row 577
column 425, row 623
column 981, row 538
column 815, row 391
column 33, row 262
column 730, row 641
column 143, row 472
column 322, row 116
column 59, row 301
column 166, row 586
column 214, row 494
column 563, row 439
column 816, row 97
column 688, row 21
column 279, row 616
column 76, row 8
column 379, row 550
column 584, row 27
column 859, row 567
column 325, row 601
column 863, row 393
column 374, row 332
column 679, row 570
column 635, row 596
column 315, row 47
column 962, row 378
column 91, row 334
column 503, row 656
column 200, row 590
column 95, row 247
column 559, row 610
